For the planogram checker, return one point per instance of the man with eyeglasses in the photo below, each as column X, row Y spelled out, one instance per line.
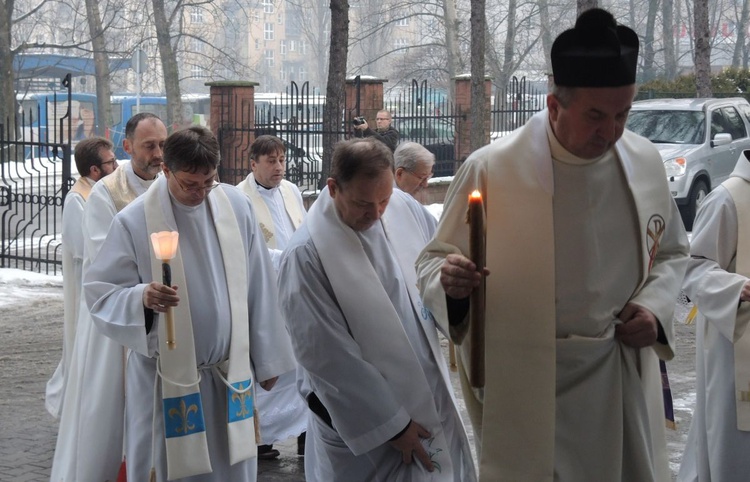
column 414, row 164
column 95, row 396
column 190, row 406
column 384, row 131
column 280, row 211
column 94, row 159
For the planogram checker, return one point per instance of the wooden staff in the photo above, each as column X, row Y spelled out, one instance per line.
column 477, row 298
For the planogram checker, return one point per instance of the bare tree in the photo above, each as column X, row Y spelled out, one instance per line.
column 648, row 41
column 335, row 91
column 168, row 62
column 8, row 103
column 739, row 57
column 101, row 65
column 478, row 109
column 702, row 57
column 667, row 28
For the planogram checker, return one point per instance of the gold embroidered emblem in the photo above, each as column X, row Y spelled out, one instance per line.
column 242, row 399
column 267, row 234
column 654, row 232
column 183, row 414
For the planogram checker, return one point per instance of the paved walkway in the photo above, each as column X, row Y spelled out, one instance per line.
column 30, row 348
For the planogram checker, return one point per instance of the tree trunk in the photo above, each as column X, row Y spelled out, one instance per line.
column 169, row 66
column 702, row 49
column 510, row 42
column 544, row 24
column 335, row 91
column 668, row 33
column 648, row 41
column 739, row 46
column 7, row 91
column 478, row 110
column 455, row 64
column 101, row 65
column 584, row 5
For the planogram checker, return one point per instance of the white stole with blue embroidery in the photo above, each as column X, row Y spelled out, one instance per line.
column 184, row 424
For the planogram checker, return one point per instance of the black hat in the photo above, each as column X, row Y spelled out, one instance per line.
column 596, row 53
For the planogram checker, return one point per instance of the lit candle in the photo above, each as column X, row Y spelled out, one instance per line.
column 477, row 298
column 165, row 248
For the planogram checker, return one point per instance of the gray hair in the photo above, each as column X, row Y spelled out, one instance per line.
column 566, row 94
column 409, row 154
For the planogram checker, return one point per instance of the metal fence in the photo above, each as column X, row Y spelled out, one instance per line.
column 35, row 176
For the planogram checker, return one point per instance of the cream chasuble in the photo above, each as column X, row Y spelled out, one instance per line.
column 739, row 189
column 517, row 422
column 265, row 219
column 187, row 449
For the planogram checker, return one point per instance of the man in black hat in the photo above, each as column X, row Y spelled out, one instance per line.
column 586, row 252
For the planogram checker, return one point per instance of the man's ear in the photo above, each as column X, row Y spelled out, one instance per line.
column 333, row 188
column 127, row 146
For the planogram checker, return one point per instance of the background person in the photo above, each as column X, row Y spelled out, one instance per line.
column 414, row 165
column 383, row 132
column 89, row 444
column 280, row 211
column 585, row 255
column 94, row 159
column 718, row 282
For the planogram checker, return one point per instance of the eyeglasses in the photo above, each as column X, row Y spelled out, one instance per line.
column 196, row 190
column 422, row 179
column 107, row 162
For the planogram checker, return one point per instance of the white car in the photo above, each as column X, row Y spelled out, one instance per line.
column 699, row 141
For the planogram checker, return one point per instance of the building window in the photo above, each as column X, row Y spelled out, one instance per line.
column 197, row 72
column 403, row 22
column 269, row 57
column 302, row 73
column 303, row 46
column 196, row 15
column 401, row 46
column 282, row 73
column 268, row 6
column 292, row 45
column 280, row 19
column 282, row 47
column 268, row 31
column 197, row 45
column 257, row 44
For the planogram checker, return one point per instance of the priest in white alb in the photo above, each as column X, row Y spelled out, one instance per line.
column 718, row 283
column 373, row 371
column 585, row 254
column 94, row 159
column 89, row 446
column 190, row 403
column 280, row 211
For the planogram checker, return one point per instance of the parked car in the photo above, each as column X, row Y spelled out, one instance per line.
column 699, row 141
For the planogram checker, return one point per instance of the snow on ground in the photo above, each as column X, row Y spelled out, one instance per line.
column 18, row 285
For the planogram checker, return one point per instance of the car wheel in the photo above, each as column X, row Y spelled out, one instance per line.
column 697, row 195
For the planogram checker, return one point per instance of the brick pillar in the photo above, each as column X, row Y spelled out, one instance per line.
column 463, row 109
column 232, row 121
column 370, row 99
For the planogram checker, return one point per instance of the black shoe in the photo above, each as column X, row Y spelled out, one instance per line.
column 267, row 452
column 301, row 444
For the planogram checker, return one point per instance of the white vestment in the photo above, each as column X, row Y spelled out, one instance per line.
column 113, row 288
column 89, row 443
column 716, row 450
column 282, row 411
column 72, row 254
column 563, row 400
column 368, row 350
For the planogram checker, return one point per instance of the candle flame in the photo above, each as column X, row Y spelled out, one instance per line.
column 164, row 244
column 475, row 195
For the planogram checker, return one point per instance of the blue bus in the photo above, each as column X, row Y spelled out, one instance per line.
column 44, row 118
column 195, row 111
